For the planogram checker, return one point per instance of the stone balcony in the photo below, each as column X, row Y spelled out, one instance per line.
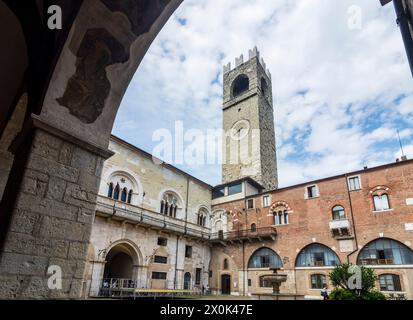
column 339, row 224
column 120, row 211
column 340, row 229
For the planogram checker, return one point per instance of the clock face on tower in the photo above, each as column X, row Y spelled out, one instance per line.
column 240, row 130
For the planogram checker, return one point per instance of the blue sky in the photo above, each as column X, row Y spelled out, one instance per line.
column 341, row 81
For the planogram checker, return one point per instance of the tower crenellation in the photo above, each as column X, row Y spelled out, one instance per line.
column 252, row 53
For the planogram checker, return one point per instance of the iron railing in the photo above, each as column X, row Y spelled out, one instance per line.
column 154, row 219
column 264, row 232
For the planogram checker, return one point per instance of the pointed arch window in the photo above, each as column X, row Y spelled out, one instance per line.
column 110, row 190
column 124, row 195
column 116, row 192
column 226, row 264
column 130, row 196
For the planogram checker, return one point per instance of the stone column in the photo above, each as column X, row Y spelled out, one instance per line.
column 52, row 216
column 98, row 268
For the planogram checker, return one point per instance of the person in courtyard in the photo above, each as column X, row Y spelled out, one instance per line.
column 324, row 292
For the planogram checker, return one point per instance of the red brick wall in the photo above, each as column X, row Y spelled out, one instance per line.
column 309, row 218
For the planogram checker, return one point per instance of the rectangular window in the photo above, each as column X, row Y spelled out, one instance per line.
column 249, row 283
column 218, row 192
column 318, row 281
column 198, row 276
column 266, row 201
column 159, row 275
column 312, row 192
column 390, row 282
column 188, row 251
column 162, row 242
column 354, row 183
column 381, row 202
column 250, row 204
column 210, row 273
column 160, row 259
column 234, row 189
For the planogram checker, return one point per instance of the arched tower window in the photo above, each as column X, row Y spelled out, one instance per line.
column 240, row 85
column 265, row 258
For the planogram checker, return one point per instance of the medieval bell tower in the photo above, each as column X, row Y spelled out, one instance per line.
column 248, row 123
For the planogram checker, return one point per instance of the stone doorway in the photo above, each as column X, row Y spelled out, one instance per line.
column 225, row 284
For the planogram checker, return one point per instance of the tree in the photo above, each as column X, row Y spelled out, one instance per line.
column 352, row 282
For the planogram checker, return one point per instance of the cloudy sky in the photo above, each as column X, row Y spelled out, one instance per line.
column 341, row 81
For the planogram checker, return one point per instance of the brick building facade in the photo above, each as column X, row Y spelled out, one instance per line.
column 310, row 220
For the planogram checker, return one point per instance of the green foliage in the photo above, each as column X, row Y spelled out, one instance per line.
column 343, row 294
column 374, row 295
column 347, row 294
column 353, row 284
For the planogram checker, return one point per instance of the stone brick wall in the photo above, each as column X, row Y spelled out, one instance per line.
column 51, row 220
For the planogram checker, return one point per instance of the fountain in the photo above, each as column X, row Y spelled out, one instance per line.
column 276, row 279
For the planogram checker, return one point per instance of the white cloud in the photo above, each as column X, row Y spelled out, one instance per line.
column 352, row 80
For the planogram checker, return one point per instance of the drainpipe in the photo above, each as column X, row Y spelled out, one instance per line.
column 243, row 267
column 176, row 260
column 353, row 221
column 186, row 203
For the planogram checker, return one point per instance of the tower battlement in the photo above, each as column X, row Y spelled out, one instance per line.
column 252, row 53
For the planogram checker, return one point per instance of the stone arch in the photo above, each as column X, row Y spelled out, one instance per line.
column 129, row 247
